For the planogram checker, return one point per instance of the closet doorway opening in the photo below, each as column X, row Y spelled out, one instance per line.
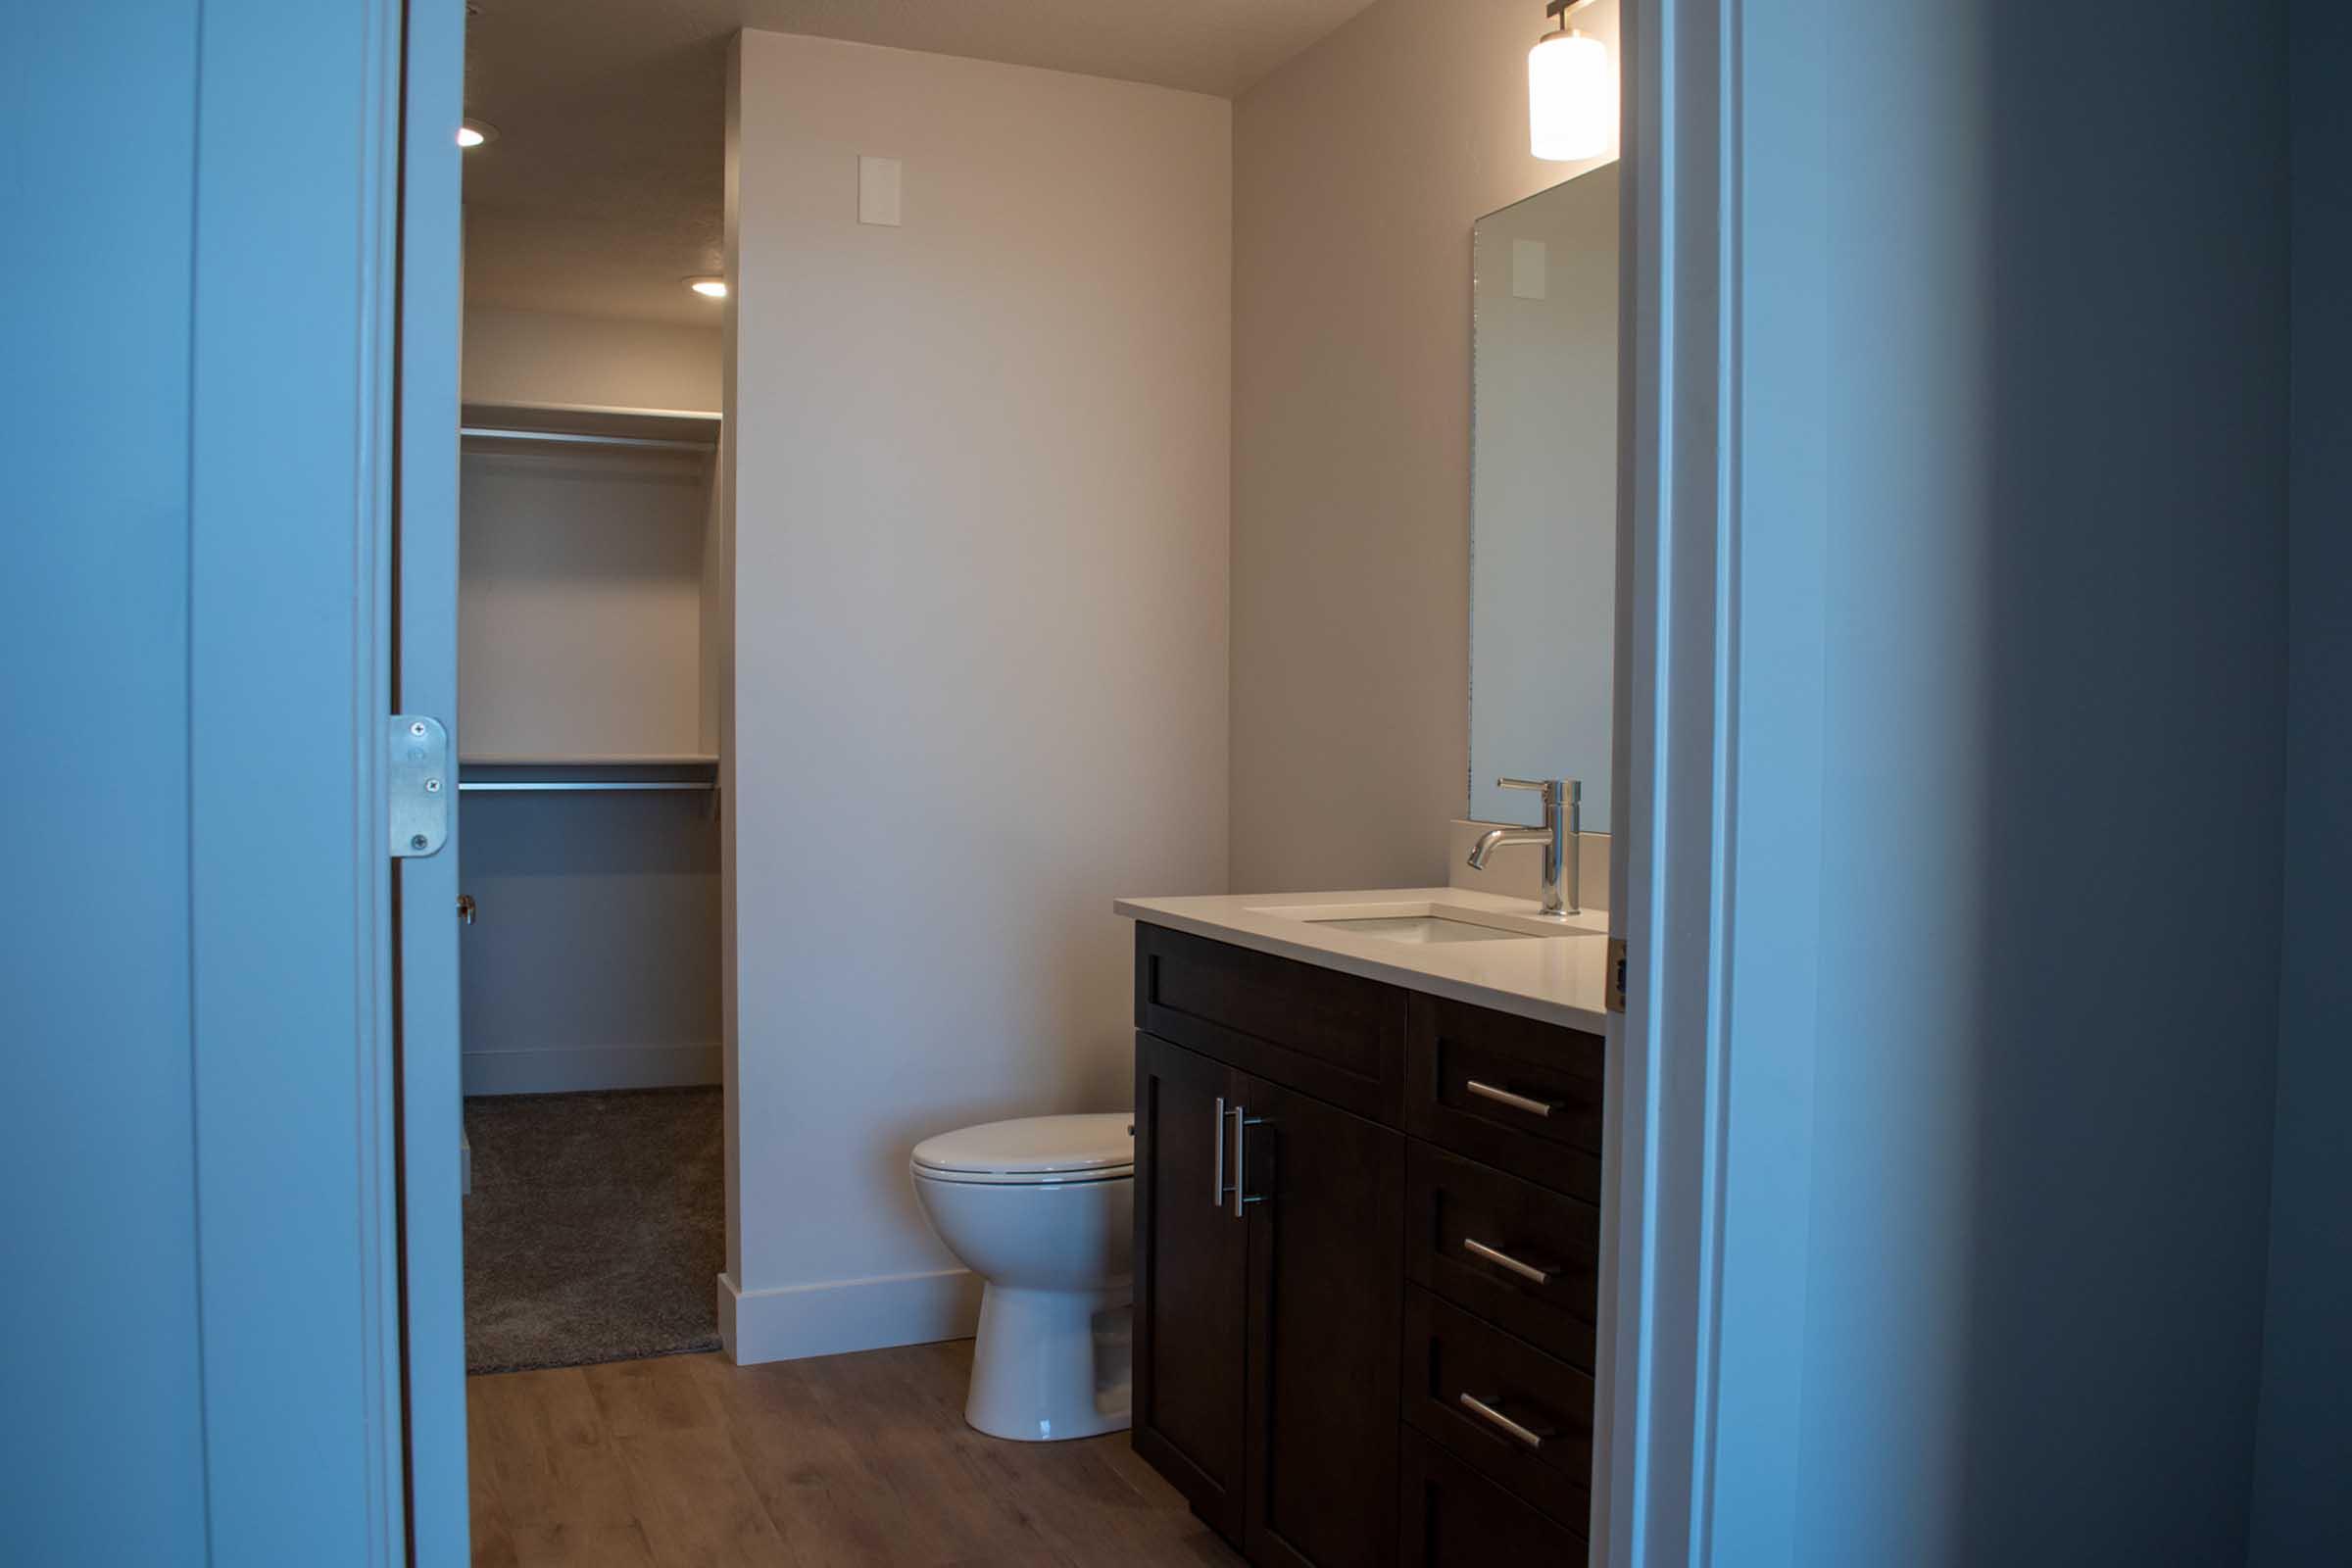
column 593, row 594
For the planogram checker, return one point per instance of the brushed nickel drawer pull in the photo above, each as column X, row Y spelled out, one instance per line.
column 1217, row 1162
column 1495, row 1418
column 1503, row 1096
column 1501, row 1259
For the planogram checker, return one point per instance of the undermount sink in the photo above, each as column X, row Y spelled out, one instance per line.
column 1428, row 924
column 1424, row 928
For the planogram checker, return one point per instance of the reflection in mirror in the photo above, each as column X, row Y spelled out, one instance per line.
column 1543, row 493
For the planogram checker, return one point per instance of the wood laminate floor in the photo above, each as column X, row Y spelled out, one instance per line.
column 843, row 1461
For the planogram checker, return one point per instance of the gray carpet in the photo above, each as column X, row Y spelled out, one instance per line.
column 597, row 1227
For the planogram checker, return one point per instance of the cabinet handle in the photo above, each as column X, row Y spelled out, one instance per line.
column 1503, row 1423
column 1242, row 1121
column 1217, row 1162
column 1240, row 1157
column 1501, row 1259
column 1503, row 1096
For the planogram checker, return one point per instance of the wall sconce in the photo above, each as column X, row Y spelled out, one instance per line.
column 1571, row 91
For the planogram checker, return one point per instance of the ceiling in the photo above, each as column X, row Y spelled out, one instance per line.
column 603, row 188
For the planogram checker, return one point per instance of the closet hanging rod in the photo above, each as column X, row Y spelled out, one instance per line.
column 524, row 786
column 571, row 439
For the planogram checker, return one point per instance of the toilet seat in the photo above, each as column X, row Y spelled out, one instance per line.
column 1031, row 1152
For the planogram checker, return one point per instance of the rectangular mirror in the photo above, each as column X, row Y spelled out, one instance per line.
column 1544, row 495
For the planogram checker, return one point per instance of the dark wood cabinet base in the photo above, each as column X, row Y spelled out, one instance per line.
column 1457, row 1518
column 1307, row 1294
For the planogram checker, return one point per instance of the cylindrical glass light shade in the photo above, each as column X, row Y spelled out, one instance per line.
column 1571, row 98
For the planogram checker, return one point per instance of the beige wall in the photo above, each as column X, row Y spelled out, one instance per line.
column 1358, row 168
column 981, row 494
column 539, row 357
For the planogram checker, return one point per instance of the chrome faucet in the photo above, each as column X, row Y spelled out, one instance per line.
column 1561, row 836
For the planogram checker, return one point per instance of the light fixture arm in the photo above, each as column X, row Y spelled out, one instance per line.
column 1561, row 10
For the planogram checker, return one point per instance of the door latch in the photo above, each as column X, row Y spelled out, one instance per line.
column 1616, row 984
column 420, row 785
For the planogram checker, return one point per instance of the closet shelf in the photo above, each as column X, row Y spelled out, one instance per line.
column 540, row 774
column 582, row 786
column 589, row 424
column 586, row 760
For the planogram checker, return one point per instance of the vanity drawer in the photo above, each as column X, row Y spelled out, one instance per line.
column 1519, row 1256
column 1509, row 1091
column 1457, row 1518
column 1535, row 1431
column 1337, row 1037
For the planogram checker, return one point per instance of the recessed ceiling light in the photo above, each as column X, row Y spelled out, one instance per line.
column 475, row 132
column 710, row 288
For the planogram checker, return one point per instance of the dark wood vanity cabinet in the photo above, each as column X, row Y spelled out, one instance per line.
column 1454, row 1517
column 1266, row 1320
column 1191, row 1301
column 1397, row 1240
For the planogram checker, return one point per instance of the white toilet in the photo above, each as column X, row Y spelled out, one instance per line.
column 1043, row 1209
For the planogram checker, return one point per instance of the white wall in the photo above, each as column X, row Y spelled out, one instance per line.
column 581, row 601
column 595, row 960
column 2302, row 1503
column 980, row 494
column 1358, row 170
column 542, row 357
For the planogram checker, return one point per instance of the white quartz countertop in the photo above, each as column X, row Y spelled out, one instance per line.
column 1560, row 980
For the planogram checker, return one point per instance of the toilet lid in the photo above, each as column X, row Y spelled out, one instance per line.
column 1039, row 1148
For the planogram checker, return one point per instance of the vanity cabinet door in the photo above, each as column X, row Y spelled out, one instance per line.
column 1191, row 1283
column 1325, row 1195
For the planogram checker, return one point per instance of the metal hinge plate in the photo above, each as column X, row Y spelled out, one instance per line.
column 1616, row 987
column 420, row 784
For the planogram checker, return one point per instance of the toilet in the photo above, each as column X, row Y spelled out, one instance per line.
column 1043, row 1209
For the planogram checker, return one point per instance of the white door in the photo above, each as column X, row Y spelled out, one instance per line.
column 210, row 1352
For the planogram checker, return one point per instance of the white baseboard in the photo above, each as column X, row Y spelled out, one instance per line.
column 843, row 1315
column 560, row 1072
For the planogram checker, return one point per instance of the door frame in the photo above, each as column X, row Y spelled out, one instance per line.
column 421, row 631
column 1676, row 767
column 1677, row 764
column 291, row 493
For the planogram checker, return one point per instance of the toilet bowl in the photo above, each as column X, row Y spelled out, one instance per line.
column 1043, row 1209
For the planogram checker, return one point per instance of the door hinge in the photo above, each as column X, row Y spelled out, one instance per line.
column 420, row 784
column 1616, row 987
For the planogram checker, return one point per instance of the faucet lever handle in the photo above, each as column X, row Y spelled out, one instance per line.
column 1553, row 790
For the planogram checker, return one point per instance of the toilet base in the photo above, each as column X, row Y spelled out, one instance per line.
column 1049, row 1365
